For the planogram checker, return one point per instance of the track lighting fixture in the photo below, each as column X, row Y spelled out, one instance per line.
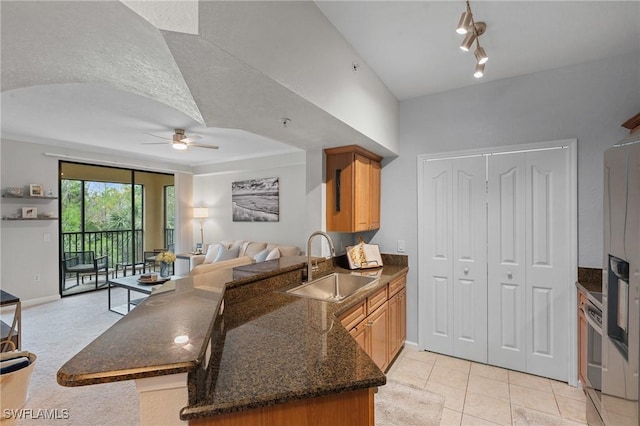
column 465, row 22
column 481, row 56
column 468, row 40
column 473, row 30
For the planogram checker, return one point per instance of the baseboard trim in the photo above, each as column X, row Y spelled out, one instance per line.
column 40, row 301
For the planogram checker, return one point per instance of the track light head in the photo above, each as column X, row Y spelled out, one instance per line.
column 479, row 73
column 468, row 41
column 481, row 55
column 465, row 23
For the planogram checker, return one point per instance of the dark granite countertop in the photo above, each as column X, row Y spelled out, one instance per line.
column 141, row 344
column 279, row 348
column 590, row 279
column 273, row 347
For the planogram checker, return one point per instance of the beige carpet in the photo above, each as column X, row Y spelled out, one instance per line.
column 55, row 332
column 403, row 405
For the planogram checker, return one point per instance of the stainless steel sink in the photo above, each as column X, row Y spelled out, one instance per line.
column 334, row 287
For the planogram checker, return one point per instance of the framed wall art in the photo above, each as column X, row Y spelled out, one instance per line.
column 29, row 212
column 35, row 190
column 256, row 200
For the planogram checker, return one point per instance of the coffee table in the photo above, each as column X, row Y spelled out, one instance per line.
column 129, row 283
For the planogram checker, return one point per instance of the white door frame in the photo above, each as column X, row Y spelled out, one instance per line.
column 572, row 220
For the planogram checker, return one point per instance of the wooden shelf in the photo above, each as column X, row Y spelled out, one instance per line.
column 28, row 218
column 27, row 197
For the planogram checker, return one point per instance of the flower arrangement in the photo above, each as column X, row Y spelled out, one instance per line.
column 166, row 257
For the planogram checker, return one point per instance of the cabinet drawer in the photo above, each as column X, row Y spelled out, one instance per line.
column 397, row 285
column 377, row 299
column 353, row 316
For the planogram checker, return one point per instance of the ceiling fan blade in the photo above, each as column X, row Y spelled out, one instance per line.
column 191, row 138
column 198, row 145
column 159, row 137
column 156, row 143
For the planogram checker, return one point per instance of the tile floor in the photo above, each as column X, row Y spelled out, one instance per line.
column 479, row 394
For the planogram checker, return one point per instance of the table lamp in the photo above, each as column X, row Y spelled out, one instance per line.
column 201, row 213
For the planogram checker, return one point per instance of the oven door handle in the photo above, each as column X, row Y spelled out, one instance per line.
column 597, row 327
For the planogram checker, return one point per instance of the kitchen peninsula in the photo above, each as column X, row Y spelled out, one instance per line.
column 208, row 352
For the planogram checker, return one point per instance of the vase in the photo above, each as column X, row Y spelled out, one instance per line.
column 164, row 269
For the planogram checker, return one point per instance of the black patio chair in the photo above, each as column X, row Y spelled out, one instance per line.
column 84, row 262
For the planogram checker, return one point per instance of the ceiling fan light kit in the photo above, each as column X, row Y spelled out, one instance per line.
column 473, row 30
column 180, row 141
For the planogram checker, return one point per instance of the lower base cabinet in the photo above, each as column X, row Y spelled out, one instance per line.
column 378, row 324
column 582, row 340
column 355, row 408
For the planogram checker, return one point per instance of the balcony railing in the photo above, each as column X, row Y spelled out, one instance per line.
column 118, row 245
column 122, row 247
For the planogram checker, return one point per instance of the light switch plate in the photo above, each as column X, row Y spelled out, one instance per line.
column 400, row 246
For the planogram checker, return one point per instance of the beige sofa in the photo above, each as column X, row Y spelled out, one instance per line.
column 230, row 254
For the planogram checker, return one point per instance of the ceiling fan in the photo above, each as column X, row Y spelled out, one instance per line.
column 180, row 141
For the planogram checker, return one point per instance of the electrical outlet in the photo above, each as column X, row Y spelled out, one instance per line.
column 46, row 236
column 400, row 246
column 36, row 277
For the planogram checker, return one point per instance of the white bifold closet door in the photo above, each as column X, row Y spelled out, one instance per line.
column 494, row 259
column 455, row 239
column 528, row 257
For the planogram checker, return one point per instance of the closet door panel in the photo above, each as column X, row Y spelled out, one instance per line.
column 436, row 281
column 506, row 261
column 548, row 233
column 470, row 258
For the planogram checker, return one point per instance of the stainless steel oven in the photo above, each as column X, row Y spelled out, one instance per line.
column 593, row 312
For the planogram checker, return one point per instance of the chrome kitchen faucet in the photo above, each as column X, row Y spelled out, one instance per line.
column 333, row 251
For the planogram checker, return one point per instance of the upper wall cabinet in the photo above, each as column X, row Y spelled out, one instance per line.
column 353, row 189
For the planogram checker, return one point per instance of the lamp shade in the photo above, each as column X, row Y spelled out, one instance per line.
column 200, row 212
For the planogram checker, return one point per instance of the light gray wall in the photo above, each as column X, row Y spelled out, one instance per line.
column 24, row 250
column 213, row 190
column 588, row 102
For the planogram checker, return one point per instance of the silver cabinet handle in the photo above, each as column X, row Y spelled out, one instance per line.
column 466, row 271
column 509, row 275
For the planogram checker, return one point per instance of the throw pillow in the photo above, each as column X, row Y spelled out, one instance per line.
column 226, row 254
column 262, row 256
column 273, row 254
column 212, row 253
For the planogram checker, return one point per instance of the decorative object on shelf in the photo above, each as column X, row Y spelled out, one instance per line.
column 35, row 190
column 29, row 212
column 472, row 31
column 166, row 258
column 256, row 200
column 16, row 191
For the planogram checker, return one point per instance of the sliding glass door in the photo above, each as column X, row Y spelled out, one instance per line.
column 109, row 218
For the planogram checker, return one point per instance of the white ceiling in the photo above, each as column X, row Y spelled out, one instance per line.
column 411, row 45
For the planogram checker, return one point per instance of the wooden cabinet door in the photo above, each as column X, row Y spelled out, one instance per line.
column 375, row 182
column 394, row 326
column 361, row 192
column 402, row 317
column 397, row 322
column 359, row 334
column 378, row 334
column 582, row 341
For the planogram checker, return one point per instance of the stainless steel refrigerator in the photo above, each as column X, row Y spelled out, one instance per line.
column 618, row 403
